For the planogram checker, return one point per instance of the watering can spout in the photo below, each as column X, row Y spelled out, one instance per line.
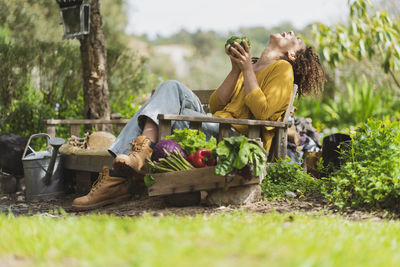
column 56, row 143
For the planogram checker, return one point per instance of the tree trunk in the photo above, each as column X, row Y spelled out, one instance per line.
column 94, row 69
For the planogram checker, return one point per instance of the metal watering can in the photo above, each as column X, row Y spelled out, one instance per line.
column 43, row 170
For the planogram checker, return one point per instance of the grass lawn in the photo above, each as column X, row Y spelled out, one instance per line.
column 226, row 239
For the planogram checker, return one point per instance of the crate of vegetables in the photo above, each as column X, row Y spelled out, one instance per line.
column 186, row 162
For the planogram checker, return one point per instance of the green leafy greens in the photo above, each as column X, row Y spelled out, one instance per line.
column 235, row 153
column 192, row 140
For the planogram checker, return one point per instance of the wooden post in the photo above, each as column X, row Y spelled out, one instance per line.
column 195, row 125
column 254, row 131
column 282, row 143
column 75, row 129
column 83, row 182
column 224, row 131
column 164, row 129
column 51, row 130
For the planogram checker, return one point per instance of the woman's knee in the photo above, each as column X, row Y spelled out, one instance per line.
column 172, row 85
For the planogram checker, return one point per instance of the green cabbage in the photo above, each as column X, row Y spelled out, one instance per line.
column 237, row 39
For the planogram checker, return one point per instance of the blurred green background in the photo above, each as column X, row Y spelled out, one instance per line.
column 40, row 75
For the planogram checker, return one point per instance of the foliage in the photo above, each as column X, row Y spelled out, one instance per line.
column 359, row 101
column 41, row 76
column 285, row 176
column 204, row 42
column 237, row 152
column 30, row 21
column 371, row 173
column 38, row 83
column 192, row 140
column 129, row 80
column 366, row 35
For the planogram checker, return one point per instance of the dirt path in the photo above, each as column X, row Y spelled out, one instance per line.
column 156, row 206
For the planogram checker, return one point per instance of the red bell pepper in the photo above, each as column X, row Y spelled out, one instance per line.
column 201, row 158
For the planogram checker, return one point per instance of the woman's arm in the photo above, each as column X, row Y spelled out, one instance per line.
column 225, row 90
column 242, row 58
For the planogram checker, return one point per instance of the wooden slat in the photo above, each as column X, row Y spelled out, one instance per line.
column 85, row 122
column 164, row 129
column 193, row 180
column 203, row 95
column 90, row 163
column 221, row 120
column 290, row 107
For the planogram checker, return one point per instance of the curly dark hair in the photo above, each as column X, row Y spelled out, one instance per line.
column 308, row 72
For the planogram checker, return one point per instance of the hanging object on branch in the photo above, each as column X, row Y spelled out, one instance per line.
column 75, row 18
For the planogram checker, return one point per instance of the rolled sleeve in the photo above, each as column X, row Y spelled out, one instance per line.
column 257, row 103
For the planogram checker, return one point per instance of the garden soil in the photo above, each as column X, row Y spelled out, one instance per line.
column 141, row 204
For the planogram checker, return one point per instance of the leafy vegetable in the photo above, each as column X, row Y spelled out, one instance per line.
column 237, row 39
column 235, row 153
column 192, row 140
column 165, row 146
column 149, row 180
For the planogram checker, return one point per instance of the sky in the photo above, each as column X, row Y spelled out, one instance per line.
column 165, row 17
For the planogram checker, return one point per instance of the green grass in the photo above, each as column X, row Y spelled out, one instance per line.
column 232, row 239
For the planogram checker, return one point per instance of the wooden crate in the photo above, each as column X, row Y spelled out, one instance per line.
column 199, row 179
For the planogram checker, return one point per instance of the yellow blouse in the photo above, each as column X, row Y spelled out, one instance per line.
column 267, row 102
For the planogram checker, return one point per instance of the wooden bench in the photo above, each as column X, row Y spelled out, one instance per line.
column 85, row 165
column 75, row 125
column 184, row 187
column 279, row 143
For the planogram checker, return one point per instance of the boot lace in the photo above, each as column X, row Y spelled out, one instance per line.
column 136, row 146
column 96, row 185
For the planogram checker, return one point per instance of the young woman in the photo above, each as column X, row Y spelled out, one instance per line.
column 255, row 88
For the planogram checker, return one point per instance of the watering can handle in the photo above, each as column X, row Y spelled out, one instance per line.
column 29, row 141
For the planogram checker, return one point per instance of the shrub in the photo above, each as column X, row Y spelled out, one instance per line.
column 370, row 175
column 284, row 176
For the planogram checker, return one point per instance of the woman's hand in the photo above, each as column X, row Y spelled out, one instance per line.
column 235, row 67
column 240, row 56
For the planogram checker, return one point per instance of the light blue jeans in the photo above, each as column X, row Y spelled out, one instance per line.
column 171, row 97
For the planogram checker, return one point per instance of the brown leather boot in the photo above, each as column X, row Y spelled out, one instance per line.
column 135, row 160
column 106, row 190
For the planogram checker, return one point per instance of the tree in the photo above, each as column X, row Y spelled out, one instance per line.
column 41, row 74
column 94, row 68
column 368, row 34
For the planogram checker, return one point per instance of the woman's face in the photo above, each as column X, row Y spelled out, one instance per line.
column 286, row 41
